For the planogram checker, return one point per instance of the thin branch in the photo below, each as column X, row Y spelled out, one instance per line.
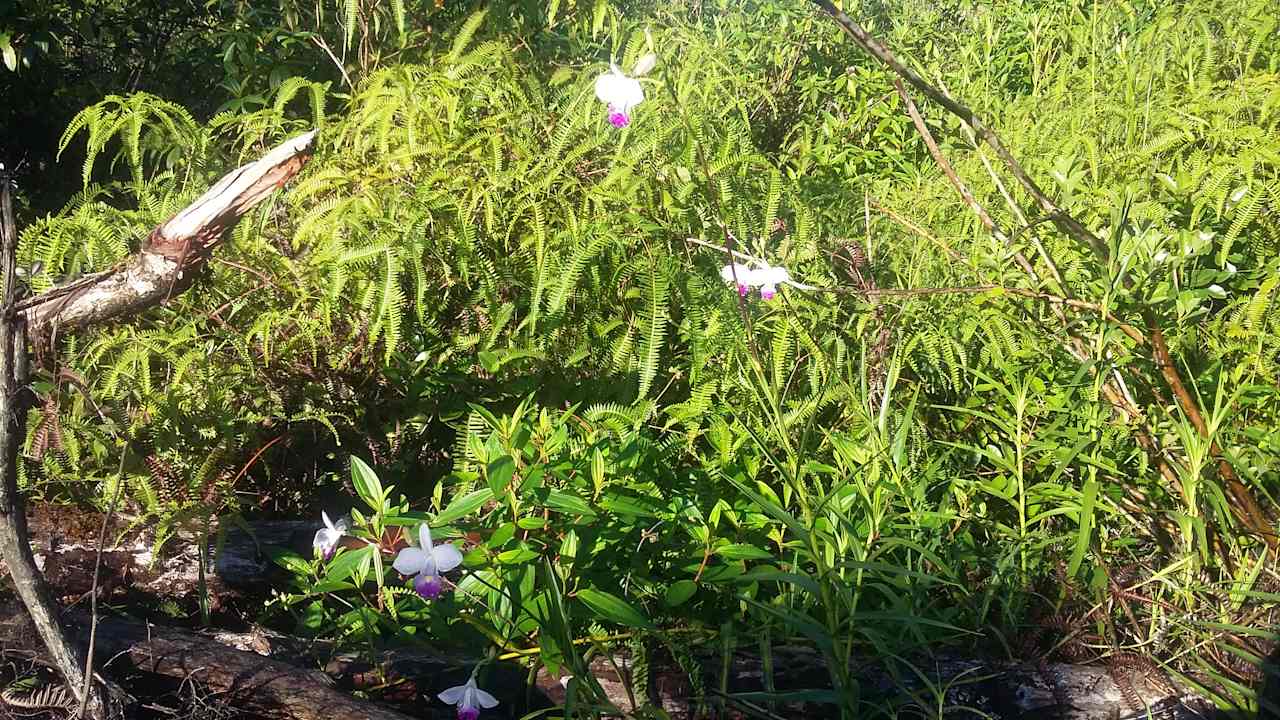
column 319, row 41
column 950, row 251
column 965, row 194
column 864, row 40
column 87, row 678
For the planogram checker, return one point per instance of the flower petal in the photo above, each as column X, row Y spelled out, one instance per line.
column 743, row 272
column 485, row 699
column 411, row 561
column 424, row 537
column 453, row 694
column 607, row 87
column 620, row 91
column 429, row 586
column 446, row 557
column 773, row 275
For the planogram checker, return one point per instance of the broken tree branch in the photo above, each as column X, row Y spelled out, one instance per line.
column 171, row 250
column 141, row 281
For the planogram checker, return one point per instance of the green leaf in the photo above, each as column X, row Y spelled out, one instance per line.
column 567, row 502
column 517, row 556
column 368, row 487
column 463, row 506
column 801, row 581
column 1086, row 527
column 626, row 505
column 499, row 474
column 743, row 551
column 288, row 559
column 613, row 608
column 346, row 564
column 10, row 55
column 679, row 592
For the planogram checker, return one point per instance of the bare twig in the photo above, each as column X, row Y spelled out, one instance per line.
column 93, row 588
column 965, row 194
column 319, row 41
column 913, row 227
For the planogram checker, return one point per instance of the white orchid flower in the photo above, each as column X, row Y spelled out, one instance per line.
column 767, row 278
column 427, row 563
column 469, row 699
column 327, row 537
column 1217, row 291
column 770, row 278
column 620, row 94
column 743, row 274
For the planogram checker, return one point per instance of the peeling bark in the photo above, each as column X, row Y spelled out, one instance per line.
column 172, row 250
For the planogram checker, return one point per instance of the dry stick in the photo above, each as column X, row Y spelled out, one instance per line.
column 1113, row 390
column 1134, row 333
column 1017, row 212
column 864, row 40
column 93, row 588
column 950, row 251
column 965, row 194
column 1244, row 505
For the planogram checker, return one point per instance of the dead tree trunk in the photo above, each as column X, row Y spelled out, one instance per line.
column 136, row 283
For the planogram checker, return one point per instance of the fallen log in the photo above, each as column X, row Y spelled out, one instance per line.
column 1002, row 689
column 244, row 679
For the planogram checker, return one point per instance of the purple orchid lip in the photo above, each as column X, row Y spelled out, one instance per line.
column 429, row 587
column 618, row 119
column 468, row 713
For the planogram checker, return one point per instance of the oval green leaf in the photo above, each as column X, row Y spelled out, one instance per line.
column 499, row 474
column 613, row 608
column 680, row 591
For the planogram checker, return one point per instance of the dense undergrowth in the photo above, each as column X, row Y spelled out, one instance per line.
column 500, row 302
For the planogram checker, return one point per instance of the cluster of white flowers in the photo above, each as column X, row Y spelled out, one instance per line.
column 426, row 564
column 767, row 278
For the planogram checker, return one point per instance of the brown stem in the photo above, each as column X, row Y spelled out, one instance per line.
column 864, row 40
column 1243, row 503
column 913, row 227
column 965, row 194
column 1134, row 333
